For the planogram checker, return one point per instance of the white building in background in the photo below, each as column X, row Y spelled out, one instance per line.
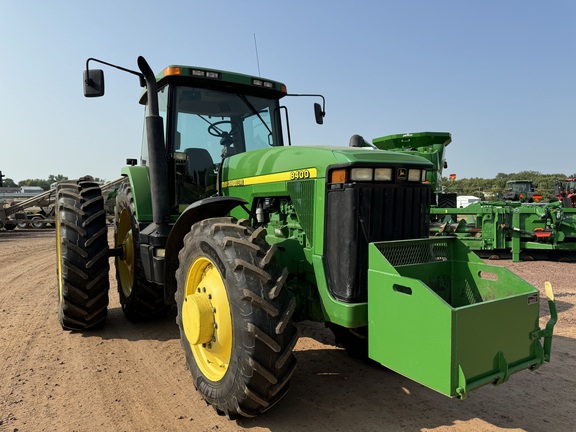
column 464, row 200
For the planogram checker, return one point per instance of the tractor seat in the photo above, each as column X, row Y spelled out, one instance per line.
column 199, row 162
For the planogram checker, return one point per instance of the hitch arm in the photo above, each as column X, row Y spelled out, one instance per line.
column 548, row 332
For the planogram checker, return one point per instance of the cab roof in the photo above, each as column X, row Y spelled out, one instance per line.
column 195, row 76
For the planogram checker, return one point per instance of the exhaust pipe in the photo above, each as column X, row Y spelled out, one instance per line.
column 156, row 150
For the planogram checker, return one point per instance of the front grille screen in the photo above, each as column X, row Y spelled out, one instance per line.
column 419, row 253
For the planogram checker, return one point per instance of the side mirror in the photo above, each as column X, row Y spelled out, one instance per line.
column 319, row 114
column 93, row 83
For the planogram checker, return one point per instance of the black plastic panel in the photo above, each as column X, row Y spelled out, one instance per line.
column 358, row 214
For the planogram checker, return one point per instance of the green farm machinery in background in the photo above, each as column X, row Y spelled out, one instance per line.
column 521, row 229
column 521, row 191
column 247, row 235
column 431, row 146
column 518, row 223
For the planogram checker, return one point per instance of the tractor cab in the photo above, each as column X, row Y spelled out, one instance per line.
column 207, row 119
column 566, row 191
column 521, row 190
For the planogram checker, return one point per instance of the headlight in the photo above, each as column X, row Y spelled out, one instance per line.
column 361, row 174
column 383, row 174
column 414, row 175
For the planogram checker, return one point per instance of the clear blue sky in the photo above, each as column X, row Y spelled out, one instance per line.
column 498, row 75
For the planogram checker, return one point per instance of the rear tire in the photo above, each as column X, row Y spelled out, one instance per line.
column 235, row 319
column 82, row 255
column 140, row 299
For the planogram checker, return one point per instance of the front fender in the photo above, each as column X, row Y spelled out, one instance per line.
column 140, row 185
column 200, row 210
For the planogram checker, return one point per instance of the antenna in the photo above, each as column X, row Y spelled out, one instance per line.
column 257, row 59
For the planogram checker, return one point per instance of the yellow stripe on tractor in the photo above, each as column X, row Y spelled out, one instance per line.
column 302, row 174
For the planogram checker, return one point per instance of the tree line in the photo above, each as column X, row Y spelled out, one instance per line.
column 488, row 189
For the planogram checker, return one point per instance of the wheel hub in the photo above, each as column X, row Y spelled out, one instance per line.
column 198, row 310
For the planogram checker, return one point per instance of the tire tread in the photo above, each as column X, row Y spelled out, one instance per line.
column 83, row 257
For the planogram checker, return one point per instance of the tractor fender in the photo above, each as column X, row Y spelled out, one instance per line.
column 140, row 186
column 202, row 209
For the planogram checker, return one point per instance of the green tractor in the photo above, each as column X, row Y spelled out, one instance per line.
column 247, row 235
column 521, row 191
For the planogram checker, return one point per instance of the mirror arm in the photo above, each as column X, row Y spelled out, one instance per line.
column 313, row 95
column 138, row 74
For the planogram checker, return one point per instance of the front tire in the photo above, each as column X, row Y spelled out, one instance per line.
column 82, row 255
column 235, row 318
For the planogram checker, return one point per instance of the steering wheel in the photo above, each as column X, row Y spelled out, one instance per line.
column 214, row 130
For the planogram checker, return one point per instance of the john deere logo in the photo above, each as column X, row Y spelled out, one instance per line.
column 401, row 174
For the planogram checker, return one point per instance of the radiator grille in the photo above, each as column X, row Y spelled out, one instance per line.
column 395, row 212
column 366, row 213
column 302, row 195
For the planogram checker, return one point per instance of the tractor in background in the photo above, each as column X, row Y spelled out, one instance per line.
column 521, row 191
column 246, row 235
column 565, row 190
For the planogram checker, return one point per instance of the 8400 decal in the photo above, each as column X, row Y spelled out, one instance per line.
column 301, row 174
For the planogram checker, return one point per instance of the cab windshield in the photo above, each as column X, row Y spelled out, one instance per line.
column 209, row 125
column 521, row 187
column 223, row 124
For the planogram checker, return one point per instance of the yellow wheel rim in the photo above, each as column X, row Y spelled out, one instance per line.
column 206, row 319
column 125, row 240
column 59, row 256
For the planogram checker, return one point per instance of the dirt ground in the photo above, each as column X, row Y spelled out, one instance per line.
column 129, row 377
